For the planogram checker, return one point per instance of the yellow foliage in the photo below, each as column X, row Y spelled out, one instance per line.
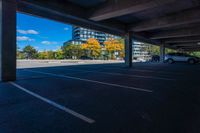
column 84, row 46
column 114, row 45
column 92, row 46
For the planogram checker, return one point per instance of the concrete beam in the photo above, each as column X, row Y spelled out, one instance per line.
column 7, row 40
column 192, row 39
column 59, row 13
column 128, row 49
column 184, row 17
column 185, row 44
column 176, row 33
column 145, row 39
column 188, row 46
column 191, row 49
column 116, row 8
column 61, row 6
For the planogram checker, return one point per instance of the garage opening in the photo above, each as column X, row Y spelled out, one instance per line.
column 45, row 43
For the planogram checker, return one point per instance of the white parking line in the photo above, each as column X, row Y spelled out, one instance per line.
column 157, row 71
column 150, row 71
column 120, row 74
column 63, row 108
column 93, row 81
column 136, row 69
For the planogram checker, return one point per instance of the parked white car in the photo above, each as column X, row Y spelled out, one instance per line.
column 181, row 57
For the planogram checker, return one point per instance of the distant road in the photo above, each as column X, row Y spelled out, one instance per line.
column 46, row 63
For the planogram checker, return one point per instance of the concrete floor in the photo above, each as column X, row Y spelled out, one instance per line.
column 148, row 98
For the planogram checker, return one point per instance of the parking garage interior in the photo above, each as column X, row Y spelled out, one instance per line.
column 126, row 97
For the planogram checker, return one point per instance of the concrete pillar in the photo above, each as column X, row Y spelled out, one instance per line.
column 7, row 40
column 128, row 49
column 162, row 53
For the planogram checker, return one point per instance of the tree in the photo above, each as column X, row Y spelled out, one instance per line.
column 195, row 53
column 20, row 54
column 167, row 50
column 59, row 54
column 114, row 45
column 47, row 55
column 92, row 48
column 51, row 54
column 153, row 49
column 42, row 55
column 72, row 51
column 30, row 52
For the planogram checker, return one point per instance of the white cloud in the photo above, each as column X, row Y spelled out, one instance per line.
column 24, row 38
column 48, row 42
column 66, row 28
column 34, row 32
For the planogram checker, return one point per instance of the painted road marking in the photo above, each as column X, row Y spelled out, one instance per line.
column 93, row 81
column 63, row 108
column 136, row 69
column 145, row 70
column 120, row 74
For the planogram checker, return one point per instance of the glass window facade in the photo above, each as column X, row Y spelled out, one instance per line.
column 82, row 34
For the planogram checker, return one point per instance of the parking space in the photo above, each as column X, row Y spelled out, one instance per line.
column 148, row 98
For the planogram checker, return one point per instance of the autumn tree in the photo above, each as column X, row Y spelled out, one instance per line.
column 114, row 45
column 92, row 48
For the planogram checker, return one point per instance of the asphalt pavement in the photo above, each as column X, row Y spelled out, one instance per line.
column 102, row 98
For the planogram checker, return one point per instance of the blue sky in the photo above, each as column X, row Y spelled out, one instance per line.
column 43, row 34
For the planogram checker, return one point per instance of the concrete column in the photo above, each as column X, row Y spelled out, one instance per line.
column 162, row 53
column 7, row 40
column 128, row 49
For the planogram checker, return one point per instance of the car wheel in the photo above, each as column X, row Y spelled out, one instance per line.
column 191, row 61
column 170, row 61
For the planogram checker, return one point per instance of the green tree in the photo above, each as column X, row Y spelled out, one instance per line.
column 195, row 54
column 59, row 54
column 153, row 49
column 20, row 54
column 41, row 55
column 47, row 55
column 72, row 51
column 167, row 50
column 51, row 54
column 30, row 52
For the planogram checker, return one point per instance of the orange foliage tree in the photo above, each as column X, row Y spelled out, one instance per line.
column 114, row 45
column 92, row 48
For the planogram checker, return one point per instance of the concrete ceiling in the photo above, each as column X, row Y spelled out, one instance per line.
column 88, row 3
column 159, row 21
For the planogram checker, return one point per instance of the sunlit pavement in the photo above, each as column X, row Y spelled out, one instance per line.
column 107, row 98
column 49, row 63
